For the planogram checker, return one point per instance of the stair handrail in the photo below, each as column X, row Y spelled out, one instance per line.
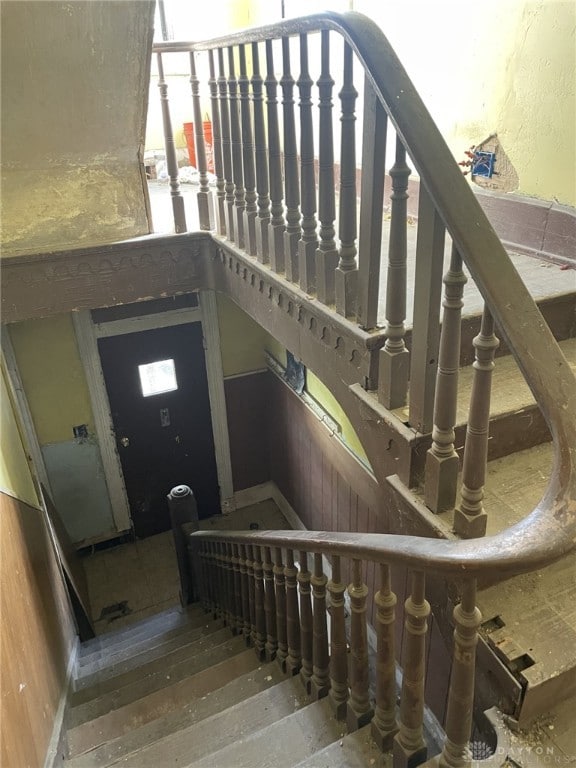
column 549, row 532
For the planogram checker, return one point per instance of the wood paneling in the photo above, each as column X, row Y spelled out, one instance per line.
column 247, row 411
column 37, row 635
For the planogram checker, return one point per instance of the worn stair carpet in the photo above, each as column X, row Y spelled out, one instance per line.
column 180, row 690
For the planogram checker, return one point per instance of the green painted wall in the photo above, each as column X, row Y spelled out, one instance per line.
column 242, row 341
column 74, row 79
column 52, row 376
column 15, row 475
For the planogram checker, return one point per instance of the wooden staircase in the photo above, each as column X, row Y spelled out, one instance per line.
column 180, row 690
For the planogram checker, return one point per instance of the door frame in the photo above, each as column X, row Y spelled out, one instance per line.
column 87, row 335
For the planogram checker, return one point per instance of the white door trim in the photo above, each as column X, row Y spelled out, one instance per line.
column 88, row 351
column 87, row 333
column 15, row 383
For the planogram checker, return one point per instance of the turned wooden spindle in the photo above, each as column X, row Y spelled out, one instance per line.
column 237, row 586
column 320, row 682
column 261, row 158
column 339, row 690
column 394, row 363
column 212, row 577
column 259, row 613
column 217, row 146
column 346, row 276
column 204, row 195
column 294, row 657
column 269, row 606
column 277, row 222
column 229, row 586
column 459, row 714
column 218, row 583
column 236, row 145
column 384, row 724
column 248, row 159
column 327, row 252
column 309, row 240
column 291, row 184
column 442, row 461
column 251, row 593
column 170, row 147
column 470, row 517
column 359, row 710
column 226, row 147
column 409, row 746
column 306, row 631
column 247, row 625
column 280, row 592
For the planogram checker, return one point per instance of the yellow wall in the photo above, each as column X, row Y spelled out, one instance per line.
column 501, row 66
column 15, row 475
column 242, row 341
column 74, row 79
column 52, row 376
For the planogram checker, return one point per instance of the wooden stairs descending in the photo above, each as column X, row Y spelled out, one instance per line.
column 180, row 690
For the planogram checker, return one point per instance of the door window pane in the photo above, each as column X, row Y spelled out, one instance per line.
column 158, row 377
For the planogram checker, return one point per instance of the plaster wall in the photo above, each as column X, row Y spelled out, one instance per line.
column 74, row 79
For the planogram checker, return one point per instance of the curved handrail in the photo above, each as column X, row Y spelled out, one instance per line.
column 549, row 531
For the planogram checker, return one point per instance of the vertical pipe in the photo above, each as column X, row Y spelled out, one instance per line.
column 441, row 459
column 359, row 712
column 171, row 160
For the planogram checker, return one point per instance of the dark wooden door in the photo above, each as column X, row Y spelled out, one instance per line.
column 158, row 391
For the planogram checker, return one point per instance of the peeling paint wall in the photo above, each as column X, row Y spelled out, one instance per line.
column 74, row 93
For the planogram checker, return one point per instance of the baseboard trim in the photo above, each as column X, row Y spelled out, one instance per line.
column 55, row 754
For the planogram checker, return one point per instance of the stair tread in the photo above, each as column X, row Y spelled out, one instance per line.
column 113, row 665
column 147, row 684
column 194, row 704
column 355, row 750
column 219, row 731
column 282, row 744
column 160, row 622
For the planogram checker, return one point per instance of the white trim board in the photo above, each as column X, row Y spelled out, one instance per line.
column 87, row 334
column 54, row 756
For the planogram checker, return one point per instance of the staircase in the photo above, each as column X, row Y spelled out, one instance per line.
column 180, row 690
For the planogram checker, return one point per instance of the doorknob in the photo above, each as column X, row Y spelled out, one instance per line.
column 125, row 442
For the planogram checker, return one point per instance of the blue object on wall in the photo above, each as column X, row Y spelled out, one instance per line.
column 484, row 164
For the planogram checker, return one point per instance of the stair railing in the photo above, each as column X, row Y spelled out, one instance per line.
column 283, row 201
column 310, row 638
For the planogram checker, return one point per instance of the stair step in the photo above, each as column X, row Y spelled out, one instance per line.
column 355, row 750
column 110, row 738
column 115, row 664
column 161, row 622
column 283, row 744
column 148, row 683
column 222, row 730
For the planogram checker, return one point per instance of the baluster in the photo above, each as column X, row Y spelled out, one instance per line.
column 467, row 618
column 320, row 683
column 384, row 724
column 251, row 593
column 236, row 144
column 280, row 590
column 217, row 147
column 327, row 253
column 205, row 208
column 226, row 147
column 470, row 518
column 374, row 132
column 426, row 321
column 259, row 614
column 236, row 606
column 205, row 576
column 250, row 210
column 394, row 360
column 346, row 277
column 292, row 232
column 261, row 156
column 294, row 657
column 211, row 578
column 441, row 459
column 218, row 613
column 171, row 160
column 309, row 241
column 223, row 581
column 237, row 587
column 229, row 587
column 305, row 621
column 277, row 223
column 246, row 626
column 338, row 647
column 409, row 747
column 269, row 606
column 359, row 711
